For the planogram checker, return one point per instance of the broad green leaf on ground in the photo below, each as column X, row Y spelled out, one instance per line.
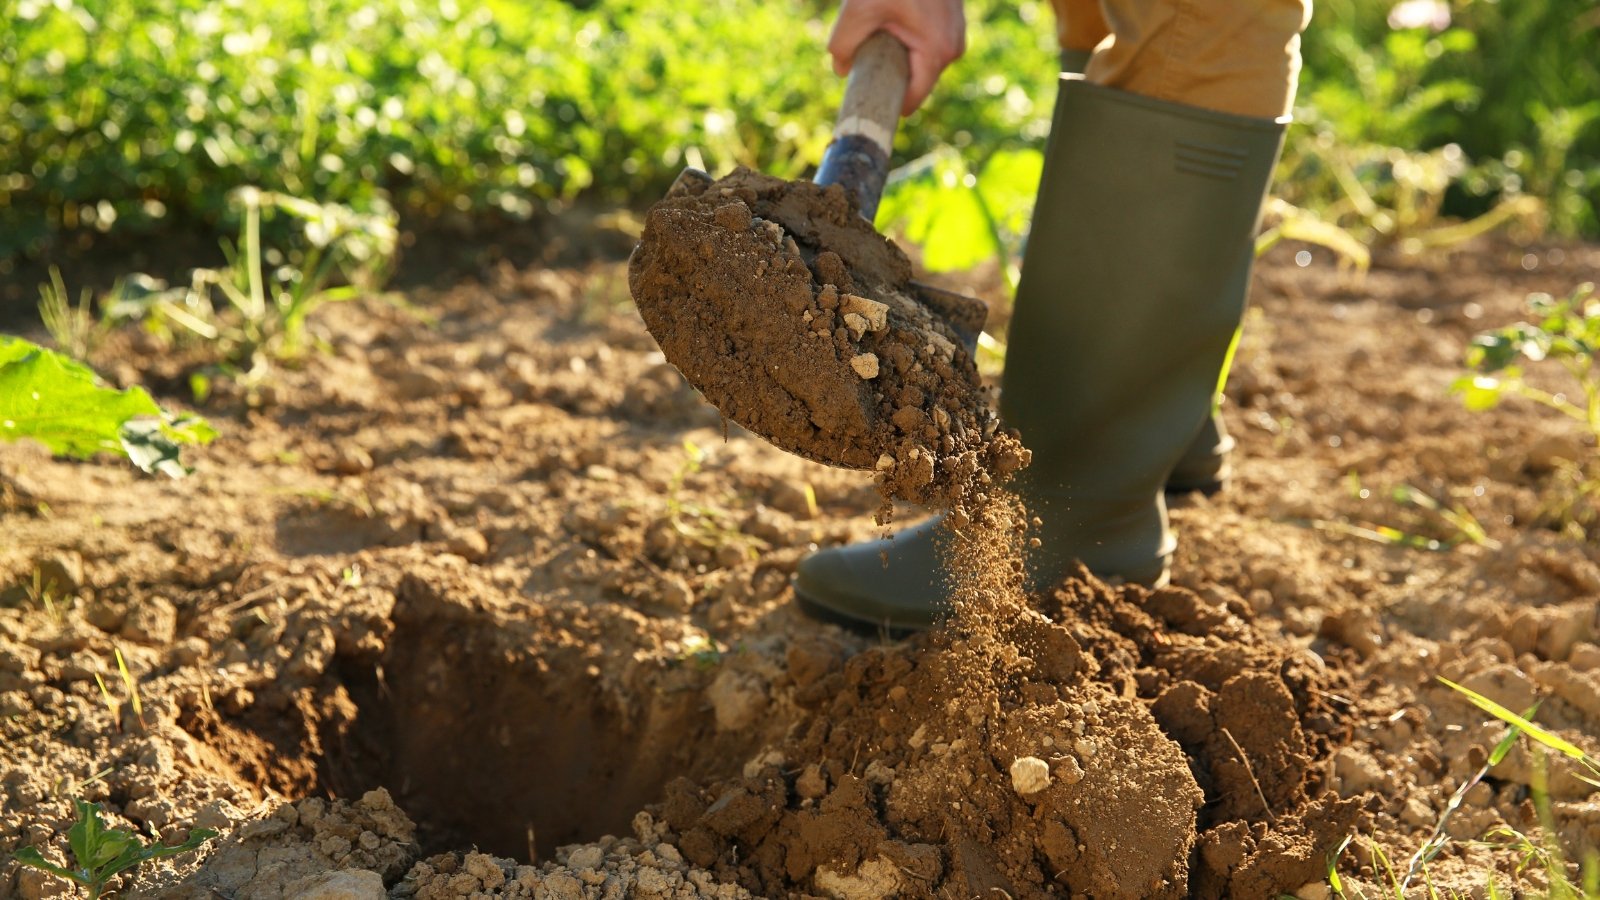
column 154, row 445
column 52, row 399
column 57, row 402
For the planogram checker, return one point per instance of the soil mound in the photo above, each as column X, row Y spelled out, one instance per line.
column 783, row 306
column 1076, row 766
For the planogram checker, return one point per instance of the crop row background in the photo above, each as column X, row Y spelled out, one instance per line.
column 140, row 115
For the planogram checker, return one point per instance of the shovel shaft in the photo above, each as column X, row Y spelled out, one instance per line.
column 858, row 158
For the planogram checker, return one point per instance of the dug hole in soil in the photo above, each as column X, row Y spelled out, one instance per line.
column 489, row 605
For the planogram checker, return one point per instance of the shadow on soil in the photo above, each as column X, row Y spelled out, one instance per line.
column 496, row 730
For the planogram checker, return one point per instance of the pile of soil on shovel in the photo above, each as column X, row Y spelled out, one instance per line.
column 784, row 307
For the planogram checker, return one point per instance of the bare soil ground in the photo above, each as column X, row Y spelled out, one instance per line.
column 487, row 602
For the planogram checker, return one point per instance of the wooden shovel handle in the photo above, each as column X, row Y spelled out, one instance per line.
column 863, row 137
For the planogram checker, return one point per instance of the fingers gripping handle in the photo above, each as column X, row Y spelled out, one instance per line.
column 858, row 158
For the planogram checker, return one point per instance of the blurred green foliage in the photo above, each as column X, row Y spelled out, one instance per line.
column 146, row 114
column 138, row 113
column 1504, row 98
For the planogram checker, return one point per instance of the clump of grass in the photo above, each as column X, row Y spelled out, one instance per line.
column 74, row 327
column 696, row 523
column 1545, row 855
column 1538, row 734
column 1439, row 839
column 1463, row 525
column 1560, row 333
column 255, row 309
column 1459, row 524
column 130, row 690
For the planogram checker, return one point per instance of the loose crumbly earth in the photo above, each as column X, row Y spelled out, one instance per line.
column 794, row 317
column 483, row 603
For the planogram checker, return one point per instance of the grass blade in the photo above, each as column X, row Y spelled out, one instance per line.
column 1564, row 747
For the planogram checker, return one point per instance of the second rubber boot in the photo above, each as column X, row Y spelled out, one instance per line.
column 1124, row 315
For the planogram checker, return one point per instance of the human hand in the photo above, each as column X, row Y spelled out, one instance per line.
column 934, row 32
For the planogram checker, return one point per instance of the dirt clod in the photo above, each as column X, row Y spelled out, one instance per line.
column 1030, row 775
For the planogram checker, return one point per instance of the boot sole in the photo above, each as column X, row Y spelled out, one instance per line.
column 855, row 624
column 1205, row 489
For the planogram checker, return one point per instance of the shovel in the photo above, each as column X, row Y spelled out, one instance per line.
column 858, row 160
column 789, row 313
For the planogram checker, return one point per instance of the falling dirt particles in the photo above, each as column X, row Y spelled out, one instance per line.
column 493, row 609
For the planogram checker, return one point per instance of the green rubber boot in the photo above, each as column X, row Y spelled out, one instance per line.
column 1204, row 467
column 1119, row 332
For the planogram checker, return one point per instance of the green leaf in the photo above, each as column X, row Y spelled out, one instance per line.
column 85, row 835
column 1478, row 392
column 1495, row 350
column 196, row 838
column 28, row 856
column 1008, row 185
column 1334, row 881
column 1498, row 754
column 154, row 444
column 59, row 402
column 114, row 844
column 56, row 401
column 1544, row 737
column 932, row 202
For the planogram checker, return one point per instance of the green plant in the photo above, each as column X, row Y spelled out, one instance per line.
column 130, row 688
column 100, row 853
column 1285, row 221
column 75, row 328
column 697, row 523
column 1440, row 838
column 1373, row 159
column 1376, row 194
column 1548, row 854
column 1530, row 852
column 1534, row 732
column 1505, row 85
column 50, row 398
column 256, row 307
column 960, row 216
column 1378, row 534
column 486, row 111
column 1566, row 333
column 509, row 108
column 1463, row 525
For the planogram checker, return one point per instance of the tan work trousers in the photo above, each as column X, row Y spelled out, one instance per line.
column 1232, row 56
